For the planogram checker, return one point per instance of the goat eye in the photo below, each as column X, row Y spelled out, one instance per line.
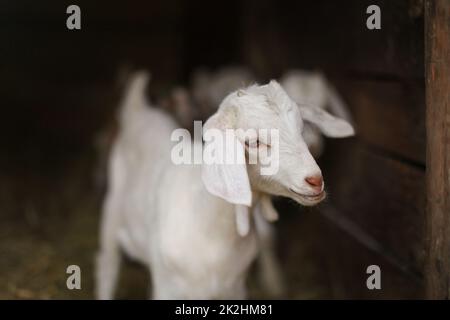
column 252, row 144
column 255, row 144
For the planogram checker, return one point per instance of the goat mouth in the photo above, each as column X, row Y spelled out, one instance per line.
column 310, row 197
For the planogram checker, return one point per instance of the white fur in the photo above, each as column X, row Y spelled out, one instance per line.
column 197, row 245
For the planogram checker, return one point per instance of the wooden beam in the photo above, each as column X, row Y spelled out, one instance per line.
column 390, row 115
column 396, row 222
column 437, row 64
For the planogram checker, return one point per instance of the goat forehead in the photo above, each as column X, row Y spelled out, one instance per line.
column 267, row 118
column 272, row 104
column 274, row 98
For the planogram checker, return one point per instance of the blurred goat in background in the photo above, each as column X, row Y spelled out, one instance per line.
column 312, row 89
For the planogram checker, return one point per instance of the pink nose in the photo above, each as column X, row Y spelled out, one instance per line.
column 315, row 182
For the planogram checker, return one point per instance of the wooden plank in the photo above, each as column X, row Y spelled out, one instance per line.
column 132, row 11
column 89, row 55
column 347, row 261
column 383, row 196
column 437, row 24
column 334, row 260
column 212, row 34
column 326, row 35
column 389, row 115
column 69, row 119
column 62, row 87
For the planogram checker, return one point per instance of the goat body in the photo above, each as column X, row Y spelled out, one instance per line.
column 162, row 215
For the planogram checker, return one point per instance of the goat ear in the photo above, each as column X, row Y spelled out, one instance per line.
column 329, row 125
column 225, row 176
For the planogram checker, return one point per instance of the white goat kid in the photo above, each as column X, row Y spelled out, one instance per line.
column 180, row 220
column 310, row 89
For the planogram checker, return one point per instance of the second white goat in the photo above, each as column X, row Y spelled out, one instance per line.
column 308, row 88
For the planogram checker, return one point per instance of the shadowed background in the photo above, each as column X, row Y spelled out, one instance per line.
column 60, row 88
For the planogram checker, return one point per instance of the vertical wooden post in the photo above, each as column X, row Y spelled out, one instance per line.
column 437, row 64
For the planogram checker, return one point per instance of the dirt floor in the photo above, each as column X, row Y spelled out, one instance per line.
column 49, row 220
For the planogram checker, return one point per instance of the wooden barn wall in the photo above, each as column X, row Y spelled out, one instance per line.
column 437, row 59
column 375, row 214
column 59, row 87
